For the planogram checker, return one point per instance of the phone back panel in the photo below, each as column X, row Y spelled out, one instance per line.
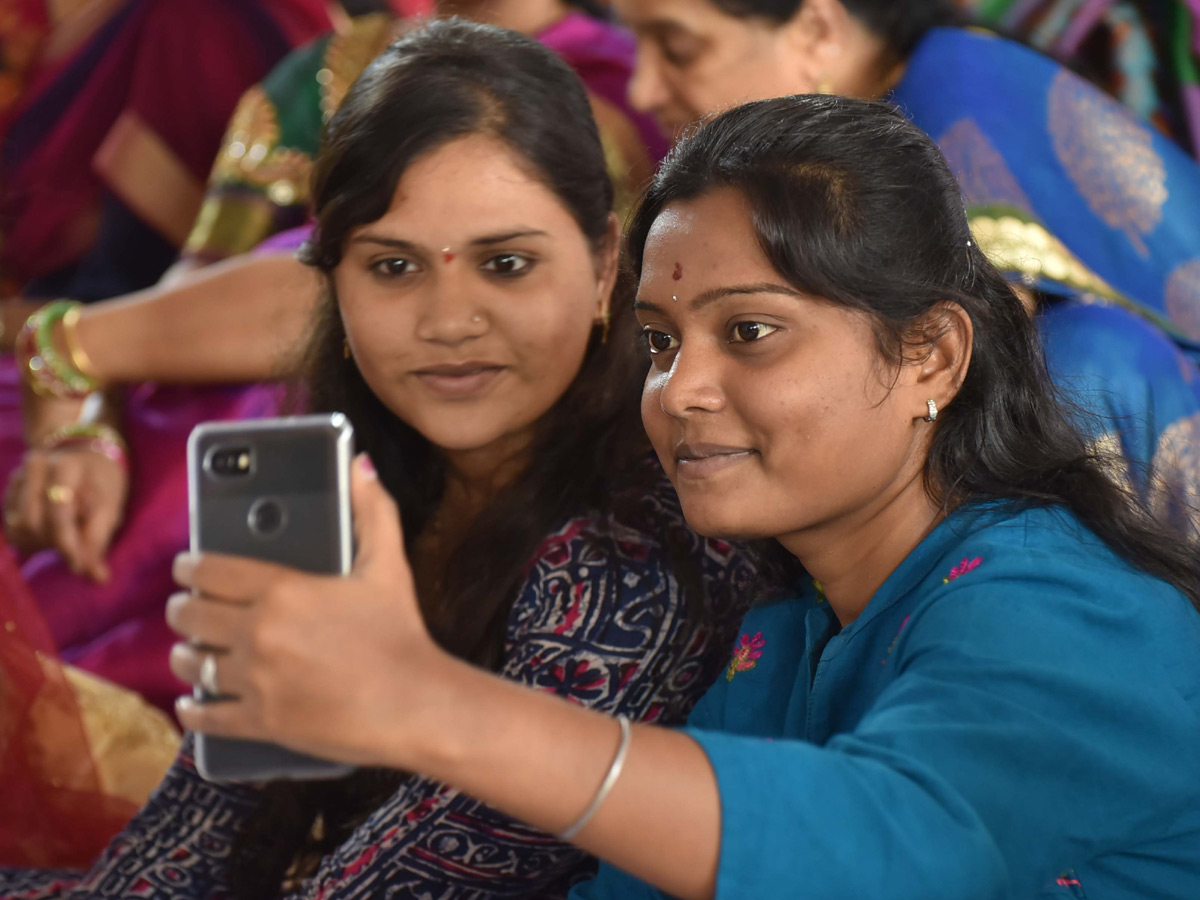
column 297, row 469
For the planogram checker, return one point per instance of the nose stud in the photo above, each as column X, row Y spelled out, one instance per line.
column 477, row 319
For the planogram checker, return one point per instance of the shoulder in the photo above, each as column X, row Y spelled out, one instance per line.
column 966, row 61
column 1118, row 365
column 641, row 529
column 586, row 42
column 1039, row 581
column 1114, row 334
column 636, row 559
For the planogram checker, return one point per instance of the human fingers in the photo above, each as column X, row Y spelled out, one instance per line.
column 222, row 718
column 208, row 622
column 378, row 532
column 232, row 578
column 103, row 510
column 25, row 504
column 63, row 513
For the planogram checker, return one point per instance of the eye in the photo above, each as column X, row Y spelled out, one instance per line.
column 508, row 264
column 659, row 341
column 748, row 332
column 680, row 49
column 393, row 267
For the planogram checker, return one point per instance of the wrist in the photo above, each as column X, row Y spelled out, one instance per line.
column 51, row 361
column 96, row 437
column 435, row 734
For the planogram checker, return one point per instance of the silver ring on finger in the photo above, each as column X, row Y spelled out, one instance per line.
column 208, row 675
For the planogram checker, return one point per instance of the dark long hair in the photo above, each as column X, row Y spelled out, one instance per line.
column 855, row 204
column 901, row 23
column 448, row 80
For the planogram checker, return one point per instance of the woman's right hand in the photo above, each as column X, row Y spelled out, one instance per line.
column 71, row 499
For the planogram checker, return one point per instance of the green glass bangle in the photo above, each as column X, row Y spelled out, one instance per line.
column 55, row 373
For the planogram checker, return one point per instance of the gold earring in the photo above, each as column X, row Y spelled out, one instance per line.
column 605, row 322
column 346, row 347
column 824, row 84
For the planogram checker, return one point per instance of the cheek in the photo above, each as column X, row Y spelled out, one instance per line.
column 654, row 420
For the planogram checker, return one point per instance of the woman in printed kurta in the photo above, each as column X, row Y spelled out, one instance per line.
column 988, row 683
column 258, row 186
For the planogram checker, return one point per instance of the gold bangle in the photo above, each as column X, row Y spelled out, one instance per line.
column 79, row 358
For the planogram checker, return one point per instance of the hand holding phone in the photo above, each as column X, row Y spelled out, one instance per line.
column 275, row 490
column 338, row 667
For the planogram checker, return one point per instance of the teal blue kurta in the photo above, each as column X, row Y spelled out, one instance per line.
column 1015, row 714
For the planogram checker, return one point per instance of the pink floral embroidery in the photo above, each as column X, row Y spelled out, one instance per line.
column 962, row 569
column 746, row 656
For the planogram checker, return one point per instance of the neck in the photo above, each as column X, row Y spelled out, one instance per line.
column 853, row 555
column 526, row 16
column 475, row 477
column 868, row 67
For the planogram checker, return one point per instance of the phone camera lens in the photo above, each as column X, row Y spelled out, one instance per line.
column 267, row 517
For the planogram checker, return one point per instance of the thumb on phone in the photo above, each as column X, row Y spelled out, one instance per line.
column 377, row 527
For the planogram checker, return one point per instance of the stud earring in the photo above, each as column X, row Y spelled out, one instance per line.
column 933, row 411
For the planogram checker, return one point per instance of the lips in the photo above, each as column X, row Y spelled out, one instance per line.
column 458, row 381
column 705, row 460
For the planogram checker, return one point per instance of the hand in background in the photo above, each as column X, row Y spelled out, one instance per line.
column 71, row 499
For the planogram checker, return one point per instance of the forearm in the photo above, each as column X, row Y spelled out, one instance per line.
column 542, row 760
column 236, row 321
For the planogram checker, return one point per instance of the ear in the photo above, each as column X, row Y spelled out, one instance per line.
column 937, row 374
column 608, row 261
column 816, row 38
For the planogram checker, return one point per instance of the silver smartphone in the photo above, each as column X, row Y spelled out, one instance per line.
column 277, row 490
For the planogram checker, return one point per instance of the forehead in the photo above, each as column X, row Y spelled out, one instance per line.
column 710, row 237
column 478, row 181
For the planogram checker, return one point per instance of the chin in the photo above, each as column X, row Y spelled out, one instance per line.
column 459, row 440
column 719, row 520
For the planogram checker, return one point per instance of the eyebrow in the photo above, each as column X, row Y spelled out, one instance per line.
column 711, row 296
column 485, row 241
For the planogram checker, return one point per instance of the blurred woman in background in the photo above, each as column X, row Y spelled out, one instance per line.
column 1077, row 202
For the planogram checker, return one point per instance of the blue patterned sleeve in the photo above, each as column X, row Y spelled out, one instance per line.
column 601, row 621
column 176, row 847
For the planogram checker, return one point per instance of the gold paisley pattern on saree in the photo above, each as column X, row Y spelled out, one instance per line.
column 1183, row 297
column 1109, row 157
column 982, row 173
column 250, row 153
column 1027, row 249
column 1176, row 494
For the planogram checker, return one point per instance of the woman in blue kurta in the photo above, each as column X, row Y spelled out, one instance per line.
column 987, row 686
column 1068, row 194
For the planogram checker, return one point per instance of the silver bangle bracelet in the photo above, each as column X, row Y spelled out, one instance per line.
column 606, row 786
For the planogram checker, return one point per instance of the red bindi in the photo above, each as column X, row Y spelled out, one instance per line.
column 448, row 255
column 678, row 273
